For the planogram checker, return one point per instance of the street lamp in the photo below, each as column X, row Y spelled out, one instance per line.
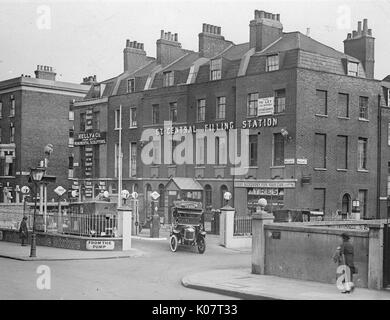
column 356, row 208
column 36, row 175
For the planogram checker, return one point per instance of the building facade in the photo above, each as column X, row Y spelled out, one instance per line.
column 306, row 117
column 34, row 113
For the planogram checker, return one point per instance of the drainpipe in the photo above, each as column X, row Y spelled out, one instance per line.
column 379, row 160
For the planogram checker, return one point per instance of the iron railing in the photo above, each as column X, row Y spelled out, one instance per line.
column 242, row 225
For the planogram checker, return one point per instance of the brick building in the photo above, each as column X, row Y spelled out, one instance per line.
column 34, row 113
column 312, row 115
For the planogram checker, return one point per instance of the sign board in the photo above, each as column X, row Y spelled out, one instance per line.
column 227, row 195
column 276, row 184
column 301, row 161
column 75, row 193
column 90, row 138
column 155, row 195
column 265, row 106
column 25, row 189
column 100, row 245
column 125, row 194
column 289, row 161
column 134, row 195
column 60, row 190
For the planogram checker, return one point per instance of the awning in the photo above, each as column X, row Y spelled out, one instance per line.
column 187, row 184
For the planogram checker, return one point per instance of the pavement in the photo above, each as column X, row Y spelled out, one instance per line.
column 15, row 251
column 241, row 283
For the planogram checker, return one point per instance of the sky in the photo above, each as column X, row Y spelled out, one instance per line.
column 82, row 38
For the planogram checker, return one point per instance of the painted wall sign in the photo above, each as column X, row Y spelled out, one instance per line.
column 301, row 161
column 90, row 138
column 100, row 245
column 265, row 106
column 259, row 123
column 289, row 161
column 250, row 184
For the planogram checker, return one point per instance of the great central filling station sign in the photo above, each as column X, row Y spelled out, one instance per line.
column 89, row 138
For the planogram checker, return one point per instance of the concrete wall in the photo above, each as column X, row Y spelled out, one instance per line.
column 11, row 215
column 305, row 253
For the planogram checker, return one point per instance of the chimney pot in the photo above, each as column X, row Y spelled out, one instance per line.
column 359, row 28
column 273, row 16
column 354, row 34
column 162, row 34
column 349, row 36
column 203, row 27
column 365, row 26
column 127, row 43
column 369, row 32
column 278, row 17
column 262, row 14
column 176, row 37
column 219, row 30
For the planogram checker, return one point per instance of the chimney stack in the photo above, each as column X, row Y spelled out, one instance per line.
column 134, row 55
column 89, row 80
column 168, row 48
column 361, row 45
column 264, row 29
column 45, row 72
column 211, row 42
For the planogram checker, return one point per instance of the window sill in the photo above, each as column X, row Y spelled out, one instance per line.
column 277, row 167
column 342, row 170
column 252, row 167
column 219, row 166
column 364, row 120
column 363, row 170
column 7, row 177
column 344, row 118
column 200, row 167
column 320, row 169
column 172, row 166
column 321, row 115
column 133, row 127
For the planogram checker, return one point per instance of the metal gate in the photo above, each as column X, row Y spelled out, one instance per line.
column 386, row 255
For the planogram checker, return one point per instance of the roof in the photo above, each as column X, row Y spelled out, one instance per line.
column 186, row 183
column 387, row 78
column 235, row 52
column 297, row 40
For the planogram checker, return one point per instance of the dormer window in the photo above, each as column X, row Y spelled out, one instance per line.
column 130, row 85
column 273, row 62
column 168, row 79
column 215, row 69
column 353, row 68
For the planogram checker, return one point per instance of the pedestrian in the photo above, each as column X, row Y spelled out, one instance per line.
column 344, row 257
column 23, row 231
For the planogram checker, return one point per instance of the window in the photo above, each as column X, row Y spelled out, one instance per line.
column 322, row 102
column 319, row 199
column 319, row 150
column 363, row 108
column 253, row 102
column 168, row 79
column 133, row 159
column 116, row 151
column 155, row 113
column 363, row 202
column 201, row 110
column 130, row 85
column 12, row 133
column 71, row 162
column 221, row 108
column 278, row 158
column 133, row 117
column 117, row 119
column 342, row 152
column 220, row 151
column 353, row 68
column 12, row 107
column 173, row 111
column 71, row 115
column 82, row 122
column 200, row 150
column 96, row 120
column 1, row 109
column 280, row 101
column 215, row 69
column 253, row 150
column 8, row 164
column 388, row 134
column 208, row 195
column 362, row 154
column 273, row 62
column 71, row 137
column 0, row 135
column 343, row 105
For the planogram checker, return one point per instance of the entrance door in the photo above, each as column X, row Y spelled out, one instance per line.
column 386, row 255
column 346, row 204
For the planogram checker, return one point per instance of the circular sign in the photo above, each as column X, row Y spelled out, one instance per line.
column 25, row 190
column 262, row 202
column 125, row 194
column 227, row 195
column 106, row 194
column 134, row 195
column 74, row 193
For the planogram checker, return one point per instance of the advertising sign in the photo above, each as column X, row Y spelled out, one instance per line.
column 100, row 245
column 265, row 106
column 90, row 138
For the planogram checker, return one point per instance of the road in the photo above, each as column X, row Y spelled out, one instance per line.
column 155, row 275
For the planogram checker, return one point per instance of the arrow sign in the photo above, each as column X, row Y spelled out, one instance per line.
column 60, row 190
column 155, row 195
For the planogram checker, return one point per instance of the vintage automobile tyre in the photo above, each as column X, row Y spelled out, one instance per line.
column 201, row 245
column 173, row 243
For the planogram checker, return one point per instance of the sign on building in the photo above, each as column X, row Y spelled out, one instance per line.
column 100, row 245
column 265, row 106
column 90, row 138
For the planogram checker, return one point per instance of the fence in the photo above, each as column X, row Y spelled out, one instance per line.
column 242, row 225
column 76, row 224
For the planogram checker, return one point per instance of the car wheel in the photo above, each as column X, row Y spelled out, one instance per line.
column 201, row 245
column 173, row 242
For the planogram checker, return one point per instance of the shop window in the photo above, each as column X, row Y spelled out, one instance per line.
column 362, row 153
column 278, row 150
column 319, row 150
column 322, row 102
column 343, row 105
column 342, row 152
column 363, row 108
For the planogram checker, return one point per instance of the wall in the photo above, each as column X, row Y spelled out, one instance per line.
column 305, row 253
column 11, row 215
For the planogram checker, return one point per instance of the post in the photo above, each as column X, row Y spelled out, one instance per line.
column 259, row 219
column 59, row 220
column 44, row 207
column 124, row 226
column 120, row 158
column 226, row 226
column 375, row 257
column 41, row 199
column 155, row 223
column 33, row 250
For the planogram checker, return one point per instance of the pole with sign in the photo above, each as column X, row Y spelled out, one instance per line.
column 59, row 191
column 155, row 227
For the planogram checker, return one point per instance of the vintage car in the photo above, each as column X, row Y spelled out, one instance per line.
column 187, row 226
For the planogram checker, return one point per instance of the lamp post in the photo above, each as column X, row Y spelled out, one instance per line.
column 36, row 175
column 356, row 208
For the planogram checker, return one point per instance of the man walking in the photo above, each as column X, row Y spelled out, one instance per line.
column 23, row 231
